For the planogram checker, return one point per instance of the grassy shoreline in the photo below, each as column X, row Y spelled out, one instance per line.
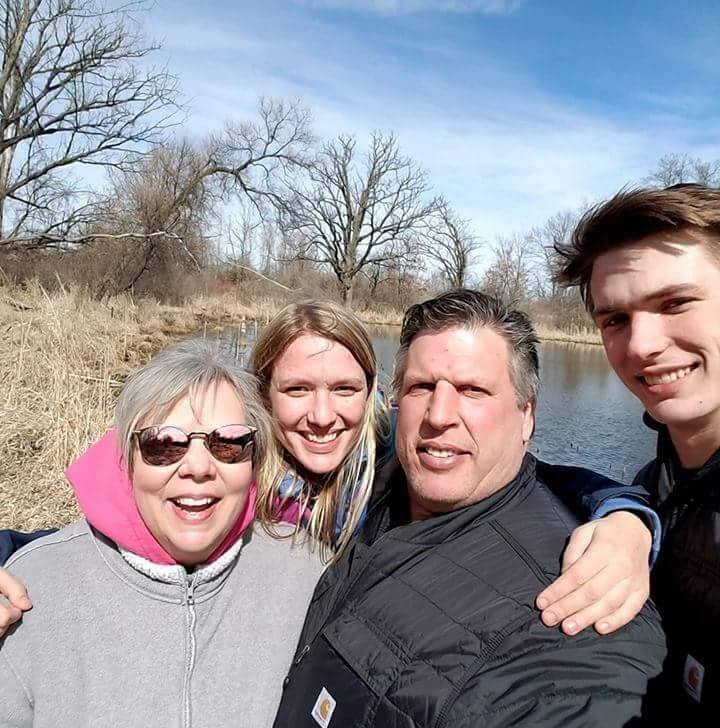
column 63, row 358
column 587, row 336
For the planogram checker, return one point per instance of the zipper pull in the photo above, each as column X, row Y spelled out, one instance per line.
column 296, row 662
column 190, row 593
column 302, row 654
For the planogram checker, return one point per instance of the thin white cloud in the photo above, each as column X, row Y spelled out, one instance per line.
column 409, row 7
column 205, row 36
column 507, row 154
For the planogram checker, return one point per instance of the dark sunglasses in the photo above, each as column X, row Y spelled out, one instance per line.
column 167, row 445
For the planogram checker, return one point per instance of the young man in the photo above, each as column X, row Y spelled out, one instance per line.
column 429, row 618
column 648, row 266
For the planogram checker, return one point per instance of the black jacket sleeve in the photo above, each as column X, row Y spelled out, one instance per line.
column 11, row 541
column 585, row 680
column 583, row 491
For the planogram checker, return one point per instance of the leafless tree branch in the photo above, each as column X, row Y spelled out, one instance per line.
column 71, row 93
column 449, row 245
column 673, row 169
column 354, row 213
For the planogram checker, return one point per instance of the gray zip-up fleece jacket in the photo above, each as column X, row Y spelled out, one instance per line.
column 114, row 640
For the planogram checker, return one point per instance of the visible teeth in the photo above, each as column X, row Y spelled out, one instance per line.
column 668, row 377
column 194, row 502
column 321, row 438
column 439, row 453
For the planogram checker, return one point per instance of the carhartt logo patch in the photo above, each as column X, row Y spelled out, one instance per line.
column 323, row 708
column 693, row 676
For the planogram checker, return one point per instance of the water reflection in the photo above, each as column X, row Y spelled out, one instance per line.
column 570, row 366
column 586, row 416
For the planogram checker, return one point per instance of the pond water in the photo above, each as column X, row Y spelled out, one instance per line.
column 585, row 415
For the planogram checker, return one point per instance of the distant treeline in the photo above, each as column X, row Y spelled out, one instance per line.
column 260, row 203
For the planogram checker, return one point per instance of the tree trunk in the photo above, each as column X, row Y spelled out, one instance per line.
column 5, row 165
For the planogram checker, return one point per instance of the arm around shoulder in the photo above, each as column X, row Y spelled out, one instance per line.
column 605, row 576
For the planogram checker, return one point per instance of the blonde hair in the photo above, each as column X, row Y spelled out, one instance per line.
column 351, row 483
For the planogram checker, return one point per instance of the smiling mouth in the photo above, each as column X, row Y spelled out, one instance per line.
column 321, row 439
column 667, row 377
column 441, row 454
column 194, row 505
column 437, row 452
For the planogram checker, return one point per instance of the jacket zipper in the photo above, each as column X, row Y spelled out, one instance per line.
column 190, row 619
column 486, row 653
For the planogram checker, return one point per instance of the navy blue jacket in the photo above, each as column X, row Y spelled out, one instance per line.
column 11, row 541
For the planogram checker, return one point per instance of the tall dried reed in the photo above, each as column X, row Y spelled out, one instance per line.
column 62, row 360
column 573, row 334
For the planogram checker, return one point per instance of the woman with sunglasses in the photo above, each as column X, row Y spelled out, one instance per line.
column 318, row 378
column 164, row 606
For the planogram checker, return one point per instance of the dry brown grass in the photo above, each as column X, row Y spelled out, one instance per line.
column 61, row 361
column 381, row 316
column 231, row 308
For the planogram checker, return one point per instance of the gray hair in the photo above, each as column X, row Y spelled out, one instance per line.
column 472, row 309
column 187, row 368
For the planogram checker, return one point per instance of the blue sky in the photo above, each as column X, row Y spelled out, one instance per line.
column 517, row 108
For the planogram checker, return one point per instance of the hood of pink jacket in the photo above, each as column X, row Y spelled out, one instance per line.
column 104, row 492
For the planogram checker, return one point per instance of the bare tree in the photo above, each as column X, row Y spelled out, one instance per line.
column 165, row 206
column 272, row 248
column 509, row 275
column 543, row 241
column 353, row 214
column 707, row 172
column 243, row 230
column 72, row 93
column 154, row 223
column 449, row 245
column 251, row 161
column 675, row 169
column 258, row 160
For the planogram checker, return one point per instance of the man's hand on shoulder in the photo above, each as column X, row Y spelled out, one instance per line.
column 605, row 579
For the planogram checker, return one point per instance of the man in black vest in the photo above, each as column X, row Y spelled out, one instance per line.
column 429, row 619
column 648, row 266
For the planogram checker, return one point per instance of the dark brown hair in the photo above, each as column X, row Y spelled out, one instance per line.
column 630, row 216
column 466, row 308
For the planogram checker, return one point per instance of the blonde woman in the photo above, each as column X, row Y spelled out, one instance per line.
column 317, row 371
